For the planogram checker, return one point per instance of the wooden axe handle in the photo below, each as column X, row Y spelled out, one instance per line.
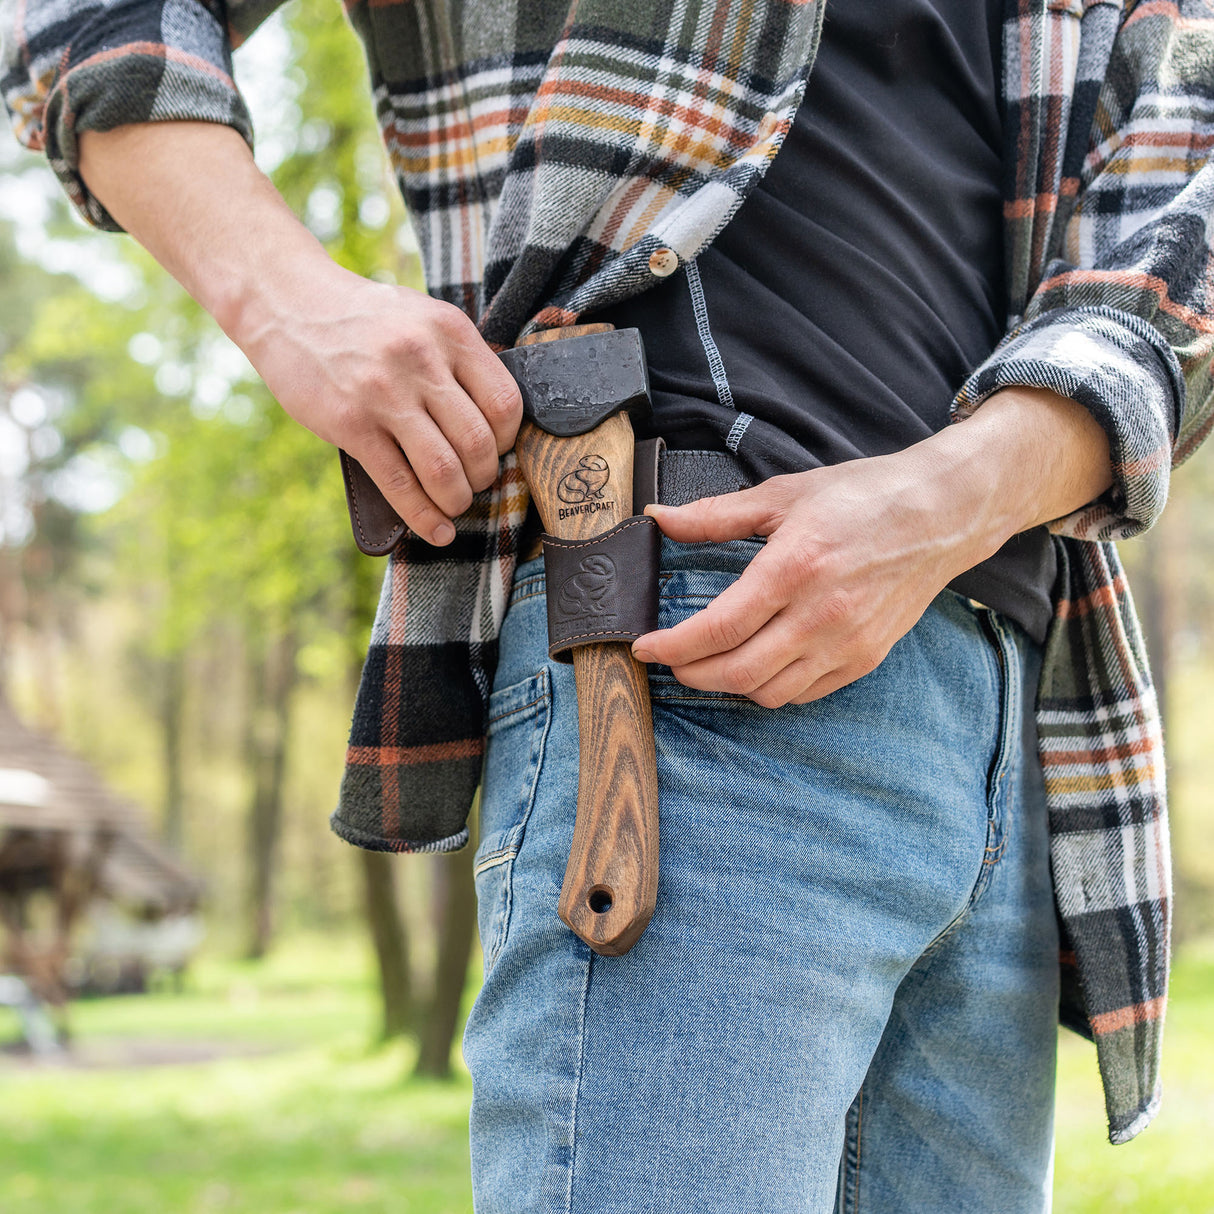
column 611, row 881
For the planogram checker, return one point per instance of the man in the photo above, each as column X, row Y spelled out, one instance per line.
column 849, row 986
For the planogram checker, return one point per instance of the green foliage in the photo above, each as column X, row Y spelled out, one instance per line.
column 229, row 530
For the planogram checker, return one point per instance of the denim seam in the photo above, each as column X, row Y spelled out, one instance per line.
column 537, row 764
column 849, row 1186
column 577, row 1081
column 530, row 594
column 506, row 855
column 493, row 859
column 503, row 716
column 999, row 797
column 729, row 699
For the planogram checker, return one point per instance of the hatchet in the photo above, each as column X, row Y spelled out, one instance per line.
column 575, row 449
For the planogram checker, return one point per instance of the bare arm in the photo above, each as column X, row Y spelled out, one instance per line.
column 402, row 381
column 857, row 551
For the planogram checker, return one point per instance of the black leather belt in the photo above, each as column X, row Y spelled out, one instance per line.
column 687, row 476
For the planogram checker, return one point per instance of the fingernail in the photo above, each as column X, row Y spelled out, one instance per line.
column 642, row 654
column 444, row 533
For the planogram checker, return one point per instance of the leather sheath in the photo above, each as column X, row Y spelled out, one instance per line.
column 377, row 527
column 604, row 588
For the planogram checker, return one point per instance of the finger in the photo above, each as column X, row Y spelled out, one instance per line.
column 492, row 389
column 435, row 464
column 837, row 674
column 731, row 516
column 754, row 664
column 824, row 686
column 467, row 432
column 732, row 618
column 386, row 465
column 792, row 684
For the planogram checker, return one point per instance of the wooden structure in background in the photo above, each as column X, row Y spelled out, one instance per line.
column 67, row 842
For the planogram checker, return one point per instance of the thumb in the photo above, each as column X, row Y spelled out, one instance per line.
column 732, row 516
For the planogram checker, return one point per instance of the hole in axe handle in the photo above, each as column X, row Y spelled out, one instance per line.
column 600, row 899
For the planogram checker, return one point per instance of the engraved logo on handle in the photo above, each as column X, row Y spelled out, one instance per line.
column 585, row 483
column 583, row 488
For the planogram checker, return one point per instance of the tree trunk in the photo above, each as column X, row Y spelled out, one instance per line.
column 274, row 681
column 171, row 718
column 456, row 894
column 391, row 942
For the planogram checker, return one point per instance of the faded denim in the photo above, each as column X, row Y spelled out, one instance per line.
column 847, row 998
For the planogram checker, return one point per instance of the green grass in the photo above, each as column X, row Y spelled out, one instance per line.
column 316, row 1122
column 312, row 1121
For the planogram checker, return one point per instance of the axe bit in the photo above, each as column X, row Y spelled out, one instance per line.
column 575, row 449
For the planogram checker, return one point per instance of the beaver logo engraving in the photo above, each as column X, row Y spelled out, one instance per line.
column 586, row 482
column 584, row 593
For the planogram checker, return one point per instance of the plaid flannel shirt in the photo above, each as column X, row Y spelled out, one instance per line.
column 547, row 149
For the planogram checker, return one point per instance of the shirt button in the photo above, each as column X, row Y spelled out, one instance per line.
column 663, row 262
column 767, row 127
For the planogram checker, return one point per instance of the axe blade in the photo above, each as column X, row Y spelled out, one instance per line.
column 572, row 385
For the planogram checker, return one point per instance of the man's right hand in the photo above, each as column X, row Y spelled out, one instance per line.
column 401, row 381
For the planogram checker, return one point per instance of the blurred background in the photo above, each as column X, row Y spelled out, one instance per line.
column 207, row 1002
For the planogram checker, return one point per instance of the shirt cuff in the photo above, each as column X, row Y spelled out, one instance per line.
column 137, row 81
column 1121, row 369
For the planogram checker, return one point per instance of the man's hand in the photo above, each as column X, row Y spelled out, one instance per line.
column 857, row 551
column 401, row 381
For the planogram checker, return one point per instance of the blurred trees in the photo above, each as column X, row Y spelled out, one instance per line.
column 182, row 545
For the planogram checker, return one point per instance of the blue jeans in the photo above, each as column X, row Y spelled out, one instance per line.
column 847, row 997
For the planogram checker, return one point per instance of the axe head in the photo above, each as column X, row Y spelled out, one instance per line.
column 571, row 386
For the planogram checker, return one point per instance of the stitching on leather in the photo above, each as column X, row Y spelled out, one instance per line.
column 610, row 632
column 358, row 521
column 641, row 520
column 568, row 642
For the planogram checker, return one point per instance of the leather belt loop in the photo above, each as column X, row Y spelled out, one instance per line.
column 646, row 460
column 604, row 588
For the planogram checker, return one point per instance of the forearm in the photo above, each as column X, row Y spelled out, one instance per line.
column 191, row 194
column 403, row 382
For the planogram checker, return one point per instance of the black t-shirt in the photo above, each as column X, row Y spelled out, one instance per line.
column 862, row 280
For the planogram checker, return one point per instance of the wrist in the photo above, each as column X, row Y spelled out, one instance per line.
column 1026, row 457
column 251, row 296
column 960, row 507
column 201, row 206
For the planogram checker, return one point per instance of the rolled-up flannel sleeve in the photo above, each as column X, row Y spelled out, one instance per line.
column 78, row 65
column 1123, row 318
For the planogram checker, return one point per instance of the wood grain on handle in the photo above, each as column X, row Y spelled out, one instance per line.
column 582, row 486
column 611, row 880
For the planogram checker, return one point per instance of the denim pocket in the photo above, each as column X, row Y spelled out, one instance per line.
column 518, row 730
